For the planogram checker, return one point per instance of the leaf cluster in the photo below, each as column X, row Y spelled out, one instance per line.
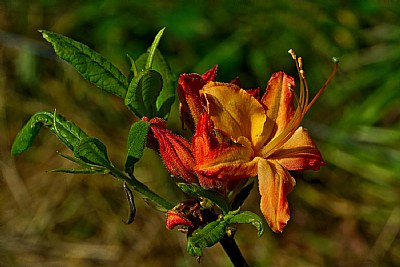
column 148, row 91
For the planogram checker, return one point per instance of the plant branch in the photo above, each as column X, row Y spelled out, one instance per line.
column 147, row 194
column 233, row 251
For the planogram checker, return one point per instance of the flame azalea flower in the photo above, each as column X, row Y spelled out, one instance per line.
column 178, row 158
column 259, row 137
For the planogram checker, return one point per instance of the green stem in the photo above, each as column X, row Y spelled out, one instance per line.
column 163, row 204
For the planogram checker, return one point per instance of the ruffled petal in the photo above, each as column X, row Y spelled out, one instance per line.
column 274, row 184
column 235, row 169
column 235, row 112
column 278, row 100
column 299, row 152
column 219, row 160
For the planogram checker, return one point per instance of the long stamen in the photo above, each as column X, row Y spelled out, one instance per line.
column 335, row 68
column 302, row 106
column 302, row 77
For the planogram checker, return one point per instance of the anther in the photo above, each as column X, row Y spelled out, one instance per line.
column 300, row 62
column 291, row 51
column 303, row 74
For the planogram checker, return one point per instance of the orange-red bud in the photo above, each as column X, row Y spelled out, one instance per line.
column 175, row 151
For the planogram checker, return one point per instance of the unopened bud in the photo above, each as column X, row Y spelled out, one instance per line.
column 175, row 151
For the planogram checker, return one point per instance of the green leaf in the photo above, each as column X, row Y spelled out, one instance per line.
column 143, row 92
column 92, row 150
column 136, row 143
column 155, row 205
column 198, row 191
column 246, row 217
column 80, row 171
column 152, row 49
column 66, row 131
column 207, row 236
column 133, row 71
column 167, row 95
column 91, row 65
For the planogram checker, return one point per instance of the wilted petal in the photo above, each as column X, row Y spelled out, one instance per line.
column 176, row 219
column 299, row 152
column 175, row 151
column 278, row 100
column 274, row 183
column 235, row 112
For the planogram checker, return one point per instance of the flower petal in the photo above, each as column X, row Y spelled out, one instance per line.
column 217, row 185
column 235, row 112
column 210, row 74
column 191, row 103
column 278, row 100
column 299, row 152
column 274, row 184
column 216, row 159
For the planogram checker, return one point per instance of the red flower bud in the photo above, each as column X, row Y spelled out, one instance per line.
column 175, row 151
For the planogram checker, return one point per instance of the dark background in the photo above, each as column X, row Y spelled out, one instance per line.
column 346, row 214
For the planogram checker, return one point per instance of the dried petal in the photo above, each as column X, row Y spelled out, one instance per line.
column 176, row 219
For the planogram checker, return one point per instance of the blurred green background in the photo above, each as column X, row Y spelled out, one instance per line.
column 346, row 214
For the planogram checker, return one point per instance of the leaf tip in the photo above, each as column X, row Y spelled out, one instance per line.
column 16, row 150
column 44, row 33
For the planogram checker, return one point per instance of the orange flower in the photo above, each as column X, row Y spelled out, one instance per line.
column 240, row 136
column 177, row 156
